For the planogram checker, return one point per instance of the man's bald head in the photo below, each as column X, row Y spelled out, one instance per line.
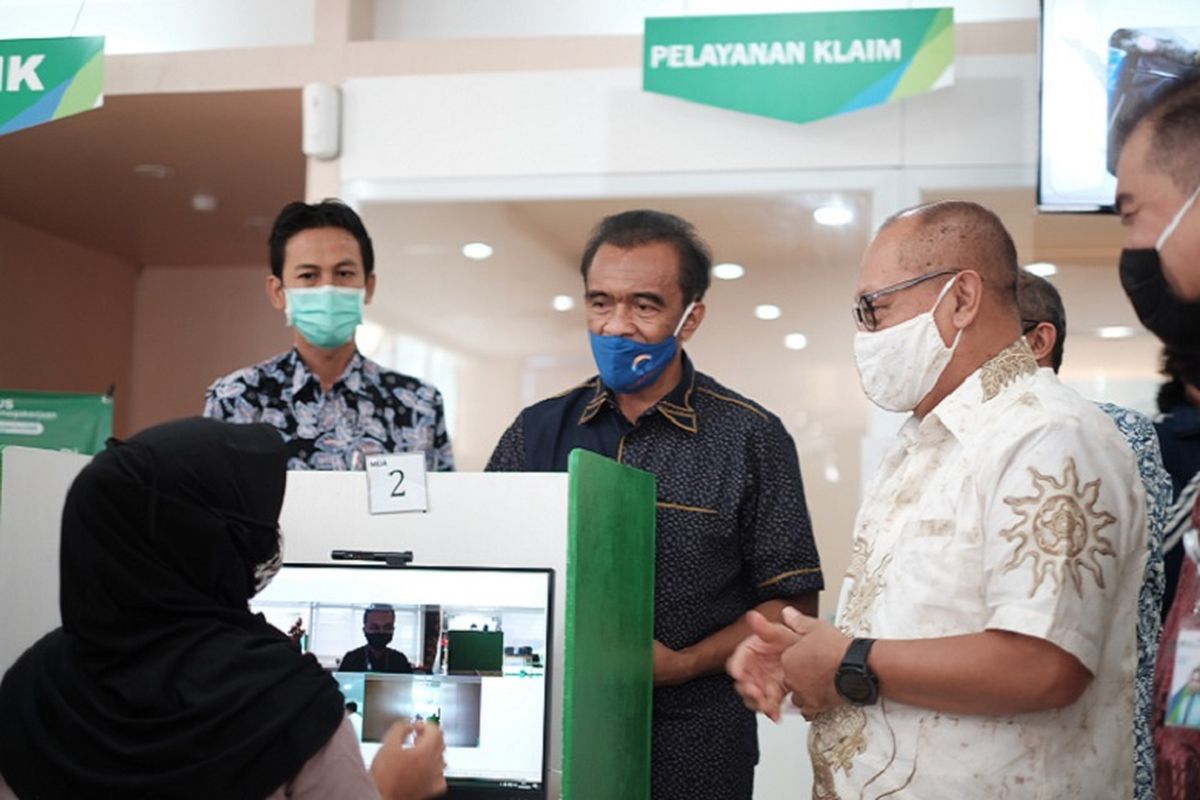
column 956, row 234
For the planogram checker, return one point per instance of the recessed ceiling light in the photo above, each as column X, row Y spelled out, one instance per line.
column 795, row 341
column 563, row 302
column 1042, row 269
column 204, row 202
column 833, row 216
column 155, row 172
column 767, row 311
column 477, row 251
column 832, row 473
column 728, row 271
column 1115, row 332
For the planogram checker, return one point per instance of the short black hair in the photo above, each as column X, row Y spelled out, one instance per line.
column 631, row 229
column 299, row 216
column 1174, row 121
column 1040, row 301
column 1182, row 368
column 352, row 706
column 377, row 607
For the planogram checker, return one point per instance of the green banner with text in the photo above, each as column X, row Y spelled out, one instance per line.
column 78, row 423
column 800, row 67
column 42, row 80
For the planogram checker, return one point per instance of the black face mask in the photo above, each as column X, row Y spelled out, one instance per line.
column 1174, row 321
column 378, row 641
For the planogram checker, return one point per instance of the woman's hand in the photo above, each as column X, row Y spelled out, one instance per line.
column 411, row 773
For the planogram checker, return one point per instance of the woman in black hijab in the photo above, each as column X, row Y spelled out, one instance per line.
column 160, row 682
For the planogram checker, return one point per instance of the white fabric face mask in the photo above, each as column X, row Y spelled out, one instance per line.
column 898, row 366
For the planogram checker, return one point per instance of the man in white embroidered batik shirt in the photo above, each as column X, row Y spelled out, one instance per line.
column 985, row 636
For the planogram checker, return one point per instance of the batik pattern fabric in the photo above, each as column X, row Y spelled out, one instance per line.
column 368, row 411
column 1139, row 432
column 1013, row 506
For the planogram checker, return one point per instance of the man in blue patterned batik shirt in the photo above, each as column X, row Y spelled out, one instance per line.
column 332, row 405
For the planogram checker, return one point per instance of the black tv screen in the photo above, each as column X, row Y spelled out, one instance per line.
column 1102, row 63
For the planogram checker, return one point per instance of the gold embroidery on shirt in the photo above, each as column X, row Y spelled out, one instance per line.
column 1059, row 530
column 834, row 739
column 865, row 588
column 1009, row 364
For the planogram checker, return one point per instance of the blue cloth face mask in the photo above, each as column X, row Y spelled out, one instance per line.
column 626, row 365
column 326, row 316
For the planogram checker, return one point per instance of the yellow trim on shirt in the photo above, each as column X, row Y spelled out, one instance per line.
column 791, row 574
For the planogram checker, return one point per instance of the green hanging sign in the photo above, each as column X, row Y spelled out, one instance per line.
column 800, row 67
column 78, row 423
column 42, row 80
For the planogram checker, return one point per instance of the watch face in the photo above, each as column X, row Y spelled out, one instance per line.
column 855, row 687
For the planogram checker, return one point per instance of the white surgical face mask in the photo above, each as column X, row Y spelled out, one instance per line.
column 899, row 365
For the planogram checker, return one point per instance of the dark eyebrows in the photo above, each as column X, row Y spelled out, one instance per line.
column 345, row 262
column 656, row 299
column 596, row 294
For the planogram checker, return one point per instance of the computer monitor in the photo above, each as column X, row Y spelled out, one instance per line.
column 1104, row 62
column 491, row 701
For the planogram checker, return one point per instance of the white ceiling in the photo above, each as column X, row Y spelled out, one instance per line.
column 500, row 307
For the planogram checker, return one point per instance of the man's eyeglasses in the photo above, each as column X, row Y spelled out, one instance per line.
column 1027, row 326
column 864, row 308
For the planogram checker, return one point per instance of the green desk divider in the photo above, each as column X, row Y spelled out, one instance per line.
column 608, row 673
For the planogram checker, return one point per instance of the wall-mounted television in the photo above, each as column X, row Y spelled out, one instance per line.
column 1102, row 63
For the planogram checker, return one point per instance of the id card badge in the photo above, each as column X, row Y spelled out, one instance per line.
column 1183, row 701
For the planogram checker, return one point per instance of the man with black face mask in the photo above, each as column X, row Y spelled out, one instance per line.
column 1158, row 181
column 379, row 625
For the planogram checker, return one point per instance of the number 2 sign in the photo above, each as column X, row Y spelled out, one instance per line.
column 396, row 482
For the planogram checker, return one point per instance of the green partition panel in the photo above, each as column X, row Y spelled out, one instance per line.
column 609, row 658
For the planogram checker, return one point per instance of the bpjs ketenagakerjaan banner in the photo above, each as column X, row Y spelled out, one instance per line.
column 800, row 67
column 77, row 423
column 42, row 80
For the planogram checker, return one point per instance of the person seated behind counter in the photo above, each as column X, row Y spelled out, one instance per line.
column 160, row 682
column 332, row 405
column 379, row 625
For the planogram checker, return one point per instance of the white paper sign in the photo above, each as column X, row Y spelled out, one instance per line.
column 396, row 482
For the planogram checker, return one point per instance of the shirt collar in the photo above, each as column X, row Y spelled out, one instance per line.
column 352, row 377
column 676, row 405
column 957, row 412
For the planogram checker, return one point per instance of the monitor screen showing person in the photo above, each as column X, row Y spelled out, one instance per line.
column 388, row 636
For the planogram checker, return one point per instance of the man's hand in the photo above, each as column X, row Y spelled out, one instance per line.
column 413, row 773
column 672, row 667
column 810, row 666
column 756, row 666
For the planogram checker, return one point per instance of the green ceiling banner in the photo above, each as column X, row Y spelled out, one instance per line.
column 800, row 67
column 42, row 80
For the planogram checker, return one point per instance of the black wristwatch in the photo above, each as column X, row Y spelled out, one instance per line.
column 854, row 681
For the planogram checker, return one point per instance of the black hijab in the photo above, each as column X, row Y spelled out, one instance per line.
column 160, row 682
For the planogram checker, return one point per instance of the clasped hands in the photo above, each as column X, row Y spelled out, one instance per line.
column 799, row 657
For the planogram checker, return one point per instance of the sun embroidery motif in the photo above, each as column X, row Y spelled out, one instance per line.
column 1059, row 530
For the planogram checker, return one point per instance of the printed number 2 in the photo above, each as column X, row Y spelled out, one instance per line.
column 399, row 482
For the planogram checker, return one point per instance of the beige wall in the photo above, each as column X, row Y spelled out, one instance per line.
column 67, row 319
column 194, row 324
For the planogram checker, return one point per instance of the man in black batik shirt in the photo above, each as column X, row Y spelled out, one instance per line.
column 733, row 531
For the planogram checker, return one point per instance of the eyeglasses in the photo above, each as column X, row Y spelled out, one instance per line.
column 1027, row 325
column 864, row 308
